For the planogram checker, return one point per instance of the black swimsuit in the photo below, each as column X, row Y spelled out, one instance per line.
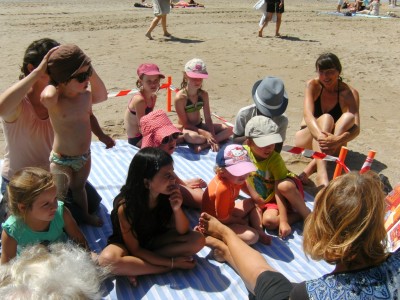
column 335, row 112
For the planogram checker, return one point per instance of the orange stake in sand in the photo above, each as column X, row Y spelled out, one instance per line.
column 342, row 157
column 169, row 94
column 368, row 161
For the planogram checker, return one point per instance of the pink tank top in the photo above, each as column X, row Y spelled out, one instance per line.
column 28, row 141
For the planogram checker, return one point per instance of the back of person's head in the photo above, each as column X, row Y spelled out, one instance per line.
column 347, row 224
column 328, row 61
column 25, row 186
column 34, row 54
column 62, row 271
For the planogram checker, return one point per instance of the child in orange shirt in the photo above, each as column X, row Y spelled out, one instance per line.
column 233, row 167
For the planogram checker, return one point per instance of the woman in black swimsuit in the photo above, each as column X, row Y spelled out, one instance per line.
column 331, row 115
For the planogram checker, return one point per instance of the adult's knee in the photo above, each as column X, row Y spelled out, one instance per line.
column 326, row 121
column 250, row 237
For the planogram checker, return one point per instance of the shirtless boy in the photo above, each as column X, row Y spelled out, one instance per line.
column 69, row 103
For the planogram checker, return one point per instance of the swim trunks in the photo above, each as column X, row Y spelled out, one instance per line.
column 273, row 7
column 74, row 162
column 135, row 140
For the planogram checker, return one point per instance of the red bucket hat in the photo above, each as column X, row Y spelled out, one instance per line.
column 155, row 126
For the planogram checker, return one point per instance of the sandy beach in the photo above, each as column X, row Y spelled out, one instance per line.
column 224, row 35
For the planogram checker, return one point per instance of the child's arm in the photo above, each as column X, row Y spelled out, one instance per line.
column 181, row 222
column 284, row 227
column 248, row 189
column 8, row 248
column 49, row 96
column 97, row 88
column 72, row 229
column 96, row 129
column 207, row 114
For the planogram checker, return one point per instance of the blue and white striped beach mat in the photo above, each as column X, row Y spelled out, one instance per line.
column 209, row 279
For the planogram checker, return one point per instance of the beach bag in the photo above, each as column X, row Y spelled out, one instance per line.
column 260, row 5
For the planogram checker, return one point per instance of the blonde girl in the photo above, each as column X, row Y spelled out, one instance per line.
column 143, row 101
column 188, row 103
column 36, row 215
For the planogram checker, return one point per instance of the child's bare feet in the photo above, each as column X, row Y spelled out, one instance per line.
column 197, row 148
column 167, row 34
column 259, row 33
column 218, row 255
column 278, row 35
column 93, row 220
column 148, row 34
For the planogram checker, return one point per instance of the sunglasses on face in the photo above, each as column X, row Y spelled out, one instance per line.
column 168, row 138
column 82, row 77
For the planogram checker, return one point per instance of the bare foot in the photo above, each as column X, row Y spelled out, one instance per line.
column 133, row 280
column 259, row 33
column 219, row 249
column 195, row 183
column 264, row 238
column 278, row 35
column 211, row 226
column 197, row 148
column 93, row 220
column 218, row 255
column 167, row 34
column 148, row 34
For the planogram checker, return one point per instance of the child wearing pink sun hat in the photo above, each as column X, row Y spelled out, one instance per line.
column 233, row 166
column 159, row 132
column 199, row 132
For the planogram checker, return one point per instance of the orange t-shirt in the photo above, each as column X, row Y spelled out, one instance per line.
column 219, row 198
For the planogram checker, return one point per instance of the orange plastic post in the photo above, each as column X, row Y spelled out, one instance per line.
column 368, row 161
column 169, row 94
column 342, row 157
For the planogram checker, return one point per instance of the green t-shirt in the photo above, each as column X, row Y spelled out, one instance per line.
column 24, row 236
column 269, row 170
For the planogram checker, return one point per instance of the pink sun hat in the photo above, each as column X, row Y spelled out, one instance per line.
column 196, row 68
column 235, row 159
column 155, row 126
column 149, row 69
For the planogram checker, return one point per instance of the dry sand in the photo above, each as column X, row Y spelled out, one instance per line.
column 224, row 34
